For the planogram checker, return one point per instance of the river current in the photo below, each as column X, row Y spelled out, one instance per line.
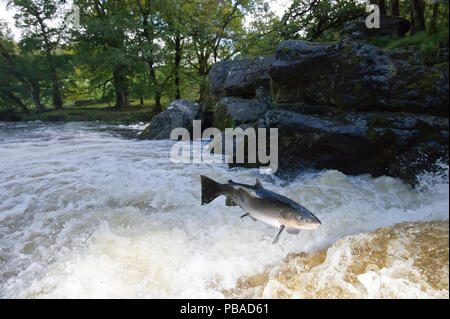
column 89, row 211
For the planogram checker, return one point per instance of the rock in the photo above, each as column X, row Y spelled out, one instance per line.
column 356, row 77
column 240, row 78
column 179, row 113
column 343, row 74
column 343, row 105
column 233, row 111
column 420, row 90
column 373, row 142
column 389, row 27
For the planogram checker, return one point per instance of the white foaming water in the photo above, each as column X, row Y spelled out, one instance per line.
column 85, row 212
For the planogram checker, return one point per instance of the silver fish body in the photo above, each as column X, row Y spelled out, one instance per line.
column 261, row 204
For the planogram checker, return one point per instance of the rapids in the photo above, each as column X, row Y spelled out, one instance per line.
column 89, row 211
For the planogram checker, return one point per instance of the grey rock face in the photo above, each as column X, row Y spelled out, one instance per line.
column 180, row 113
column 344, row 105
column 240, row 78
column 343, row 74
column 233, row 111
column 356, row 77
column 369, row 142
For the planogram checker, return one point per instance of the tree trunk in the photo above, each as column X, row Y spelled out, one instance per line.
column 417, row 12
column 17, row 101
column 155, row 86
column 121, row 88
column 56, row 94
column 203, row 73
column 149, row 36
column 395, row 8
column 141, row 100
column 433, row 23
column 158, row 107
column 35, row 92
column 382, row 6
column 177, row 66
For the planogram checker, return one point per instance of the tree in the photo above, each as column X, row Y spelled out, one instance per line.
column 174, row 36
column 104, row 40
column 13, row 68
column 395, row 8
column 149, row 22
column 433, row 23
column 263, row 35
column 309, row 19
column 417, row 16
column 381, row 5
column 212, row 29
column 34, row 18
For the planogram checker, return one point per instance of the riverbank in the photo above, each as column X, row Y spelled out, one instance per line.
column 96, row 112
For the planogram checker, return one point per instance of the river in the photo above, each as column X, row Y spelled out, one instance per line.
column 89, row 211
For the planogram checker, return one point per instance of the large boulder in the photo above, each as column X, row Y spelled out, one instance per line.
column 371, row 142
column 179, row 113
column 357, row 30
column 419, row 89
column 240, row 78
column 355, row 77
column 343, row 74
column 233, row 111
column 343, row 105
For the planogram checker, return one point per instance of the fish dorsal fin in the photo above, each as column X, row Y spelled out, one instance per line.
column 247, row 186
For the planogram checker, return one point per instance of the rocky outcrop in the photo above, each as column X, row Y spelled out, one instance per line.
column 379, row 143
column 344, row 105
column 240, row 78
column 233, row 111
column 355, row 77
column 389, row 27
column 180, row 113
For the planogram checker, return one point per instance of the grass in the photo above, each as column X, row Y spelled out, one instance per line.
column 102, row 112
column 427, row 44
column 420, row 39
column 98, row 112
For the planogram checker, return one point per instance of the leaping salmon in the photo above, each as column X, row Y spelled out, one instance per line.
column 261, row 204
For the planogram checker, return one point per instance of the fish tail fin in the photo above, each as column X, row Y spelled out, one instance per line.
column 210, row 189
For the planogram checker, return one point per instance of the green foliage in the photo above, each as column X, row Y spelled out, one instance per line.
column 438, row 40
column 158, row 50
column 310, row 19
column 428, row 45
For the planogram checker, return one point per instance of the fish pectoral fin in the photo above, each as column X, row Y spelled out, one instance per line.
column 230, row 202
column 278, row 235
column 293, row 231
column 247, row 214
column 258, row 183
